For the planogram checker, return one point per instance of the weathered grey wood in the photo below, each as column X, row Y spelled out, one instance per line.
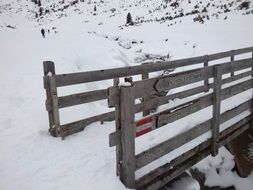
column 168, row 166
column 190, row 107
column 127, row 127
column 114, row 139
column 189, row 77
column 252, row 64
column 206, row 81
column 226, row 133
column 168, row 82
column 235, row 134
column 181, row 79
column 236, row 77
column 252, row 97
column 160, row 170
column 49, row 67
column 81, row 98
column 77, row 126
column 148, row 180
column 229, row 53
column 83, row 77
column 232, row 58
column 155, row 102
column 216, row 109
column 162, row 180
column 167, row 146
column 49, row 102
column 147, row 86
column 175, row 113
column 118, row 131
column 56, row 115
column 145, row 99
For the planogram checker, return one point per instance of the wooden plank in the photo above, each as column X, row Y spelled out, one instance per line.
column 167, row 146
column 160, row 170
column 252, row 64
column 229, row 53
column 236, row 77
column 81, row 98
column 168, row 166
column 77, row 126
column 185, row 78
column 252, row 97
column 157, row 101
column 127, row 174
column 145, row 99
column 172, row 174
column 190, row 107
column 49, row 68
column 149, row 180
column 216, row 109
column 146, row 87
column 206, row 81
column 80, row 125
column 175, row 113
column 164, row 83
column 90, row 76
column 193, row 76
column 118, row 128
column 56, row 116
column 232, row 58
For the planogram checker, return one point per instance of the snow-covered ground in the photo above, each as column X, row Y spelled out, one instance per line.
column 82, row 39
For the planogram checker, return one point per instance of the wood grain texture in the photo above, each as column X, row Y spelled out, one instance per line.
column 48, row 67
column 165, row 173
column 167, row 146
column 127, row 127
column 91, row 76
column 216, row 109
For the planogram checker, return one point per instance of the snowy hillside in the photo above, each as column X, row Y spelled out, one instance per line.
column 86, row 35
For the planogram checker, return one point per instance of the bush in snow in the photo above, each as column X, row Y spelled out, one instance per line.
column 244, row 5
column 40, row 11
column 129, row 19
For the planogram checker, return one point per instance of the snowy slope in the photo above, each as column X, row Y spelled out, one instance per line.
column 82, row 39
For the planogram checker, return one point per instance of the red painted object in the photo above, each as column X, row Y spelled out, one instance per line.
column 143, row 132
column 146, row 123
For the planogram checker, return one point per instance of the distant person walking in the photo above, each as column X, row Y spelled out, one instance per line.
column 42, row 32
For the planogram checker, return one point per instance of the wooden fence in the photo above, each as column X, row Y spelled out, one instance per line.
column 127, row 128
column 53, row 102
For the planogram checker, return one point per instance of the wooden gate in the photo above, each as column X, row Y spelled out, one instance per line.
column 123, row 97
column 54, row 102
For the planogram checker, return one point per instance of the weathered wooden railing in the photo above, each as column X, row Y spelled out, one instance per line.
column 52, row 81
column 123, row 97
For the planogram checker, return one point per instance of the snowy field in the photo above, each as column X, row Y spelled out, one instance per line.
column 82, row 39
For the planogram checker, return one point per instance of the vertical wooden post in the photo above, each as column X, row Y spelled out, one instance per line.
column 232, row 58
column 117, row 123
column 146, row 98
column 127, row 122
column 49, row 70
column 252, row 95
column 55, row 108
column 206, row 81
column 216, row 110
column 252, row 65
